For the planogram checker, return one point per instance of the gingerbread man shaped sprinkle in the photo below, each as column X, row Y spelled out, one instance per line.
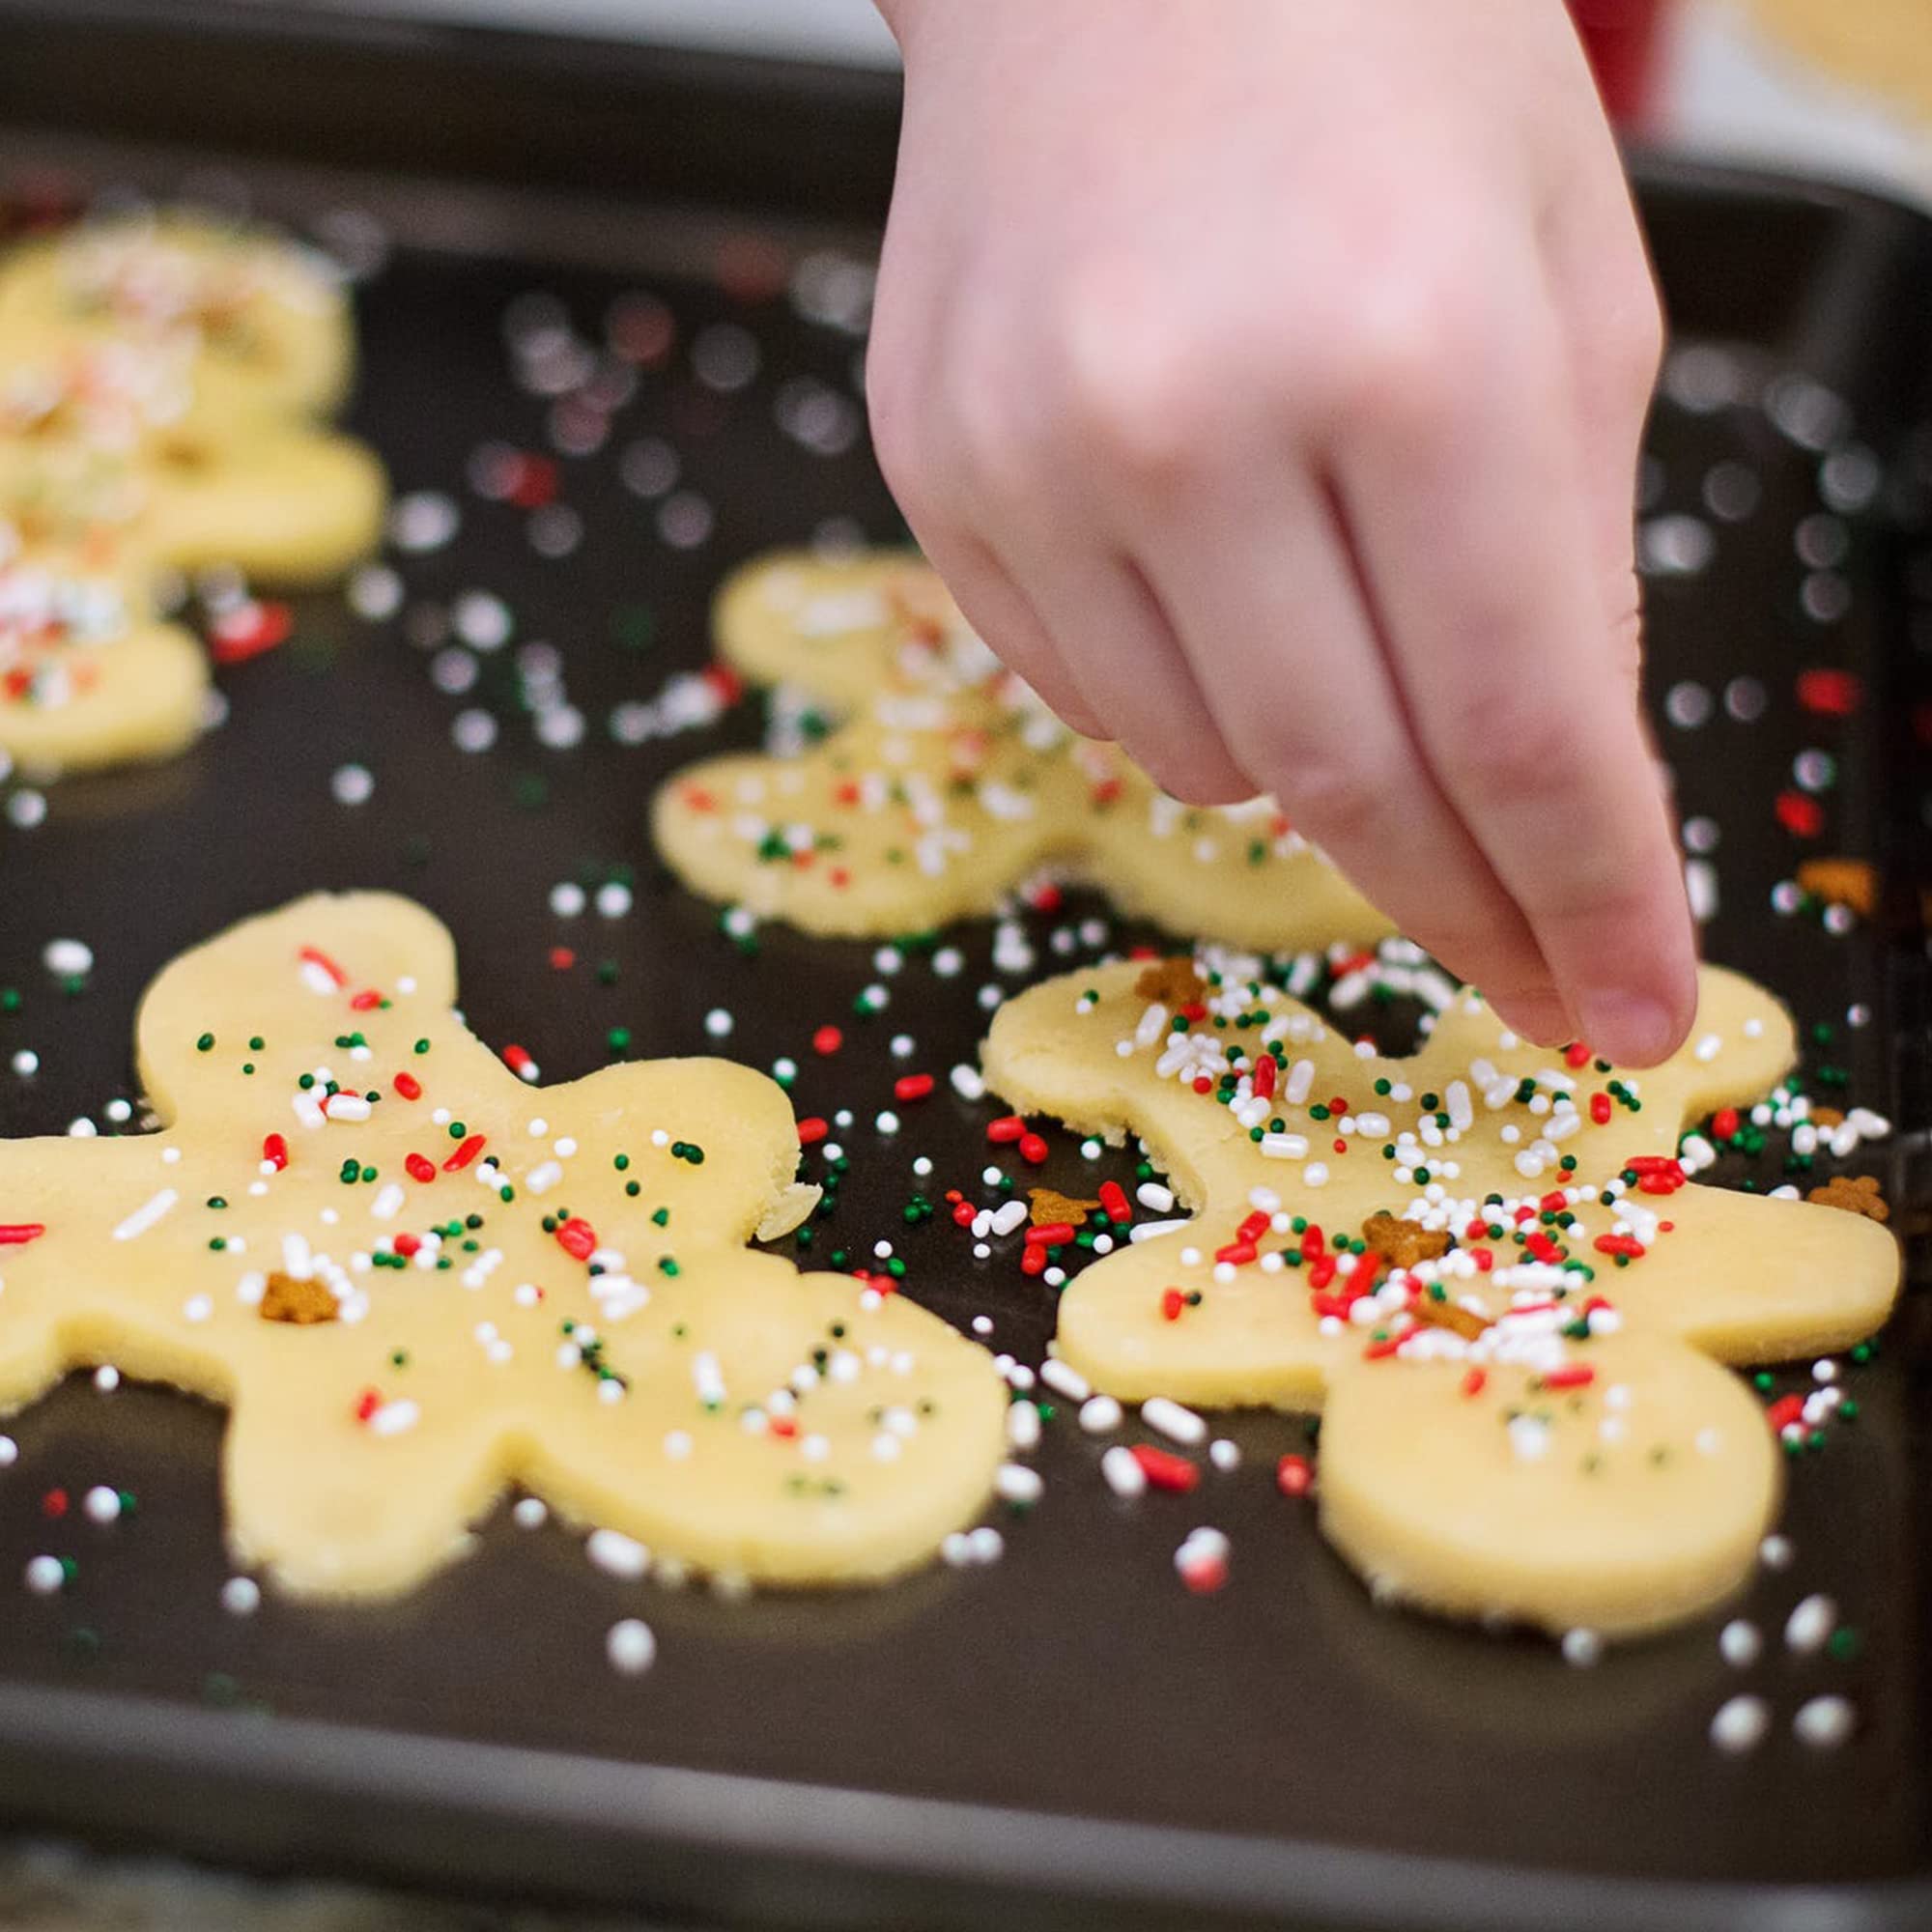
column 416, row 1279
column 1485, row 1265
column 949, row 782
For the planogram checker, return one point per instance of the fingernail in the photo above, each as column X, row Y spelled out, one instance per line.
column 1628, row 1027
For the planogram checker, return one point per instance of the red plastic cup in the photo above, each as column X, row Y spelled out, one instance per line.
column 1623, row 38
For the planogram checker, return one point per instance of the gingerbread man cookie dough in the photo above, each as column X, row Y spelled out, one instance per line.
column 162, row 391
column 88, row 674
column 949, row 782
column 1485, row 1265
column 417, row 1280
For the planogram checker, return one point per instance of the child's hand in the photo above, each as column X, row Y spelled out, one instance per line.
column 1265, row 377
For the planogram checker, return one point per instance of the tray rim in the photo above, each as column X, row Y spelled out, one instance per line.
column 440, row 1809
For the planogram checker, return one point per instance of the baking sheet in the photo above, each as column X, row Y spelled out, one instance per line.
column 1068, row 1723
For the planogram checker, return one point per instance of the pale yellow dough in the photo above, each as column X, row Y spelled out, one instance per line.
column 949, row 783
column 88, row 674
column 781, row 1427
column 160, row 390
column 1621, row 1505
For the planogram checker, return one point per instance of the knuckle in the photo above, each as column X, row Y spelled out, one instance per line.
column 1406, row 360
column 1336, row 804
column 1132, row 381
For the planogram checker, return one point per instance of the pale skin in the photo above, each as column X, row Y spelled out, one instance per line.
column 1266, row 379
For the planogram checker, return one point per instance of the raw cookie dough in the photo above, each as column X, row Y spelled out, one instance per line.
column 949, row 782
column 264, row 318
column 88, row 674
column 1516, row 1421
column 161, row 383
column 415, row 1281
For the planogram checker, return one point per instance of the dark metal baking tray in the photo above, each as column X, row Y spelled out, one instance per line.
column 1066, row 1737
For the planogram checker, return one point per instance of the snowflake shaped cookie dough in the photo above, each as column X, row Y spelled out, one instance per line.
column 416, row 1280
column 1485, row 1265
column 162, row 385
column 949, row 782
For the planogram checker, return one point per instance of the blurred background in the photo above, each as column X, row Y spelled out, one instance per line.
column 1842, row 87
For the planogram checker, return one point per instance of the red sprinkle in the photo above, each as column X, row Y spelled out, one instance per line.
column 420, row 1167
column 1114, row 1202
column 311, row 956
column 1802, row 816
column 561, row 958
column 1379, row 1351
column 1050, row 1234
column 517, row 1059
column 1784, row 1411
column 53, row 1505
column 1599, row 1109
column 408, row 1085
column 1830, row 694
column 465, row 1152
column 1172, row 1302
column 1032, row 1149
column 1475, row 1382
column 274, row 1152
column 1165, row 1470
column 1033, row 1261
column 912, row 1087
column 409, row 1245
column 17, row 1234
column 812, row 1129
column 1009, row 1127
column 367, row 1403
column 1575, row 1054
column 963, row 1214
column 1724, row 1123
column 1205, row 1575
column 1264, row 1076
column 578, row 1238
column 367, row 1001
column 249, row 631
column 1579, row 1375
column 1294, row 1475
column 827, row 1040
column 1620, row 1244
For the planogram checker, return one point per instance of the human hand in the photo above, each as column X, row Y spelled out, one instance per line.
column 1266, row 381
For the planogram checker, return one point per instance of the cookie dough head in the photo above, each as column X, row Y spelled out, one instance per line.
column 417, row 1280
column 948, row 783
column 88, row 675
column 1513, row 1353
column 107, row 443
column 267, row 321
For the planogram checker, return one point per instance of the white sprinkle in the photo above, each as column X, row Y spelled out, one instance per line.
column 101, row 1504
column 1824, row 1722
column 1007, row 1216
column 145, row 1216
column 968, row 1082
column 529, row 1513
column 1064, row 1379
column 240, row 1596
column 1121, row 1470
column 1154, row 1197
column 388, row 1203
column 1528, row 1438
column 1022, row 1425
column 107, row 1378
column 1224, row 1454
column 1581, row 1647
column 717, row 1023
column 1738, row 1643
column 1172, row 1420
column 630, row 1647
column 566, row 899
column 352, row 784
column 10, row 1452
column 1740, row 1725
column 617, row 1554
column 1014, row 1483
column 1811, row 1624
column 394, row 1418
column 68, row 958
column 1100, row 1415
column 45, row 1576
